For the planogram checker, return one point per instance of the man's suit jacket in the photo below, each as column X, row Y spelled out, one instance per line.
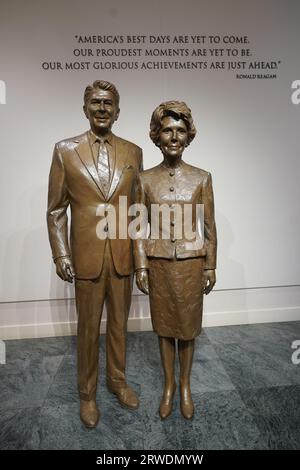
column 182, row 185
column 74, row 181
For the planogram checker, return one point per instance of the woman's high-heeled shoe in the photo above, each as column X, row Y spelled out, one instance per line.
column 186, row 402
column 166, row 404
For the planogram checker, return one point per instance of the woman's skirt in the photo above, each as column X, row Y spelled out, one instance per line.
column 176, row 296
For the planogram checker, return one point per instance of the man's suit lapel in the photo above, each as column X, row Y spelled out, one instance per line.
column 120, row 157
column 85, row 154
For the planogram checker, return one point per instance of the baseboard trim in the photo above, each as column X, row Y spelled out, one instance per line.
column 42, row 330
column 40, row 319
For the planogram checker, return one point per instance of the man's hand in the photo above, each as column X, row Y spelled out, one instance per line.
column 142, row 280
column 209, row 280
column 64, row 268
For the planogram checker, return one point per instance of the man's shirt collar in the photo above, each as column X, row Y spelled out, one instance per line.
column 95, row 138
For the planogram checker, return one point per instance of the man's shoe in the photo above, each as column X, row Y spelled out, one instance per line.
column 127, row 397
column 89, row 413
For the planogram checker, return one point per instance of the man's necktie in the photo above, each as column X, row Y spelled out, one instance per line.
column 103, row 167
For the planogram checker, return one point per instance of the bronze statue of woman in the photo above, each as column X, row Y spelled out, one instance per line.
column 176, row 271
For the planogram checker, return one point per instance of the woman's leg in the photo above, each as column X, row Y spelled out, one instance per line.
column 186, row 352
column 167, row 354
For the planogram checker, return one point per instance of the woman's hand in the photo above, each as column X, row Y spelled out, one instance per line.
column 209, row 280
column 142, row 280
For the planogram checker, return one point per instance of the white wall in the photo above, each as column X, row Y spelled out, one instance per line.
column 247, row 137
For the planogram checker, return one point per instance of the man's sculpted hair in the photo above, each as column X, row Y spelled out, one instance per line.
column 101, row 85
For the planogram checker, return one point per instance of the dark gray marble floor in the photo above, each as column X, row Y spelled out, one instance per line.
column 245, row 387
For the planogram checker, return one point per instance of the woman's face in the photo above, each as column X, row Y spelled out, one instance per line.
column 173, row 137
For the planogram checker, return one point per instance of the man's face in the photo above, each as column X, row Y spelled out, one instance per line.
column 172, row 137
column 101, row 110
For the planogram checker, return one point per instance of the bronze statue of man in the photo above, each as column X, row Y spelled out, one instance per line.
column 89, row 173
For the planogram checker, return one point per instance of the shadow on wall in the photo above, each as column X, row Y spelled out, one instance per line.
column 28, row 273
column 230, row 274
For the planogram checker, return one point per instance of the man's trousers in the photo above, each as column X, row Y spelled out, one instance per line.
column 115, row 291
